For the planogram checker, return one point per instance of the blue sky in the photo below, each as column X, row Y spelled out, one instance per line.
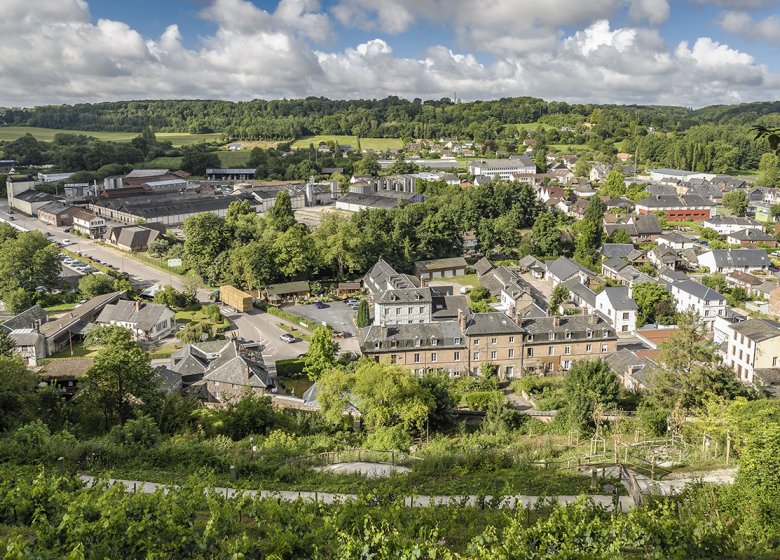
column 688, row 52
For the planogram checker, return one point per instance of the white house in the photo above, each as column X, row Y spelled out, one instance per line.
column 89, row 224
column 401, row 307
column 726, row 225
column 676, row 240
column 733, row 260
column 147, row 321
column 709, row 304
column 753, row 345
column 619, row 308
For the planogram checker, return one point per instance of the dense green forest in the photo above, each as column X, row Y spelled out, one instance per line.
column 391, row 117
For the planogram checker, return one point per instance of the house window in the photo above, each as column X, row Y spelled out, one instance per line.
column 511, row 353
column 493, row 355
column 530, row 338
column 456, row 356
column 434, row 357
column 588, row 348
column 551, row 350
column 568, row 335
column 604, row 348
column 476, row 356
column 397, row 310
column 530, row 352
column 376, row 345
column 417, row 342
column 434, row 342
column 493, row 340
column 511, row 340
column 509, row 370
column 476, row 342
column 589, row 333
column 417, row 358
column 567, row 349
column 552, row 336
column 457, row 341
column 393, row 358
column 422, row 309
column 774, row 361
column 411, row 310
column 625, row 316
column 393, row 344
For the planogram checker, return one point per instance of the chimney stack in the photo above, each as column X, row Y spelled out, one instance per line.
column 557, row 321
column 593, row 318
column 462, row 320
column 137, row 305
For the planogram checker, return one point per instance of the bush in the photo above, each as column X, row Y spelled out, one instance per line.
column 482, row 400
column 141, row 432
column 391, row 438
column 290, row 368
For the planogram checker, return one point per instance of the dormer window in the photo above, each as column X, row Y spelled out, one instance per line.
column 457, row 341
column 568, row 335
column 530, row 338
column 417, row 342
column 434, row 341
column 552, row 336
column 604, row 333
column 376, row 345
column 589, row 333
column 393, row 344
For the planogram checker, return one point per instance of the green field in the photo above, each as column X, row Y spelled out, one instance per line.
column 365, row 143
column 9, row 133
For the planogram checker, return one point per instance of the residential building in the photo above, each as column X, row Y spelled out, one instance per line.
column 422, row 348
column 616, row 304
column 440, row 268
column 751, row 238
column 676, row 240
column 563, row 269
column 502, row 168
column 599, row 172
column 726, row 225
column 685, row 207
column 134, row 238
column 30, row 344
column 677, row 175
column 400, row 307
column 580, row 295
column 706, row 302
column 383, row 277
column 146, row 321
column 89, row 224
column 641, row 229
column 553, row 344
column 632, row 370
column 492, row 338
column 71, row 327
column 753, row 344
column 224, row 370
column 733, row 260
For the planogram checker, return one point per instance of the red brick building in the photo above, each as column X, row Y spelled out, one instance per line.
column 678, row 208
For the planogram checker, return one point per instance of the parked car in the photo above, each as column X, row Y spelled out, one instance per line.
column 319, row 305
column 351, row 300
column 288, row 338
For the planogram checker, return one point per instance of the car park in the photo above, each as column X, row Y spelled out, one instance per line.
column 288, row 338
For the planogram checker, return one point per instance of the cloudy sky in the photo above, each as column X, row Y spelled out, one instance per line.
column 677, row 52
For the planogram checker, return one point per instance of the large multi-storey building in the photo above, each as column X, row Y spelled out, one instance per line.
column 553, row 344
column 502, row 168
column 753, row 345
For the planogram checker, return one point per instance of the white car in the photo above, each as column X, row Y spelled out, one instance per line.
column 288, row 338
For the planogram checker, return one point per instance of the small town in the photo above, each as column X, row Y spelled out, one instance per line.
column 389, row 322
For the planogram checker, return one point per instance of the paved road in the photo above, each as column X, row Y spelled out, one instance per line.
column 626, row 503
column 264, row 328
column 337, row 314
column 141, row 275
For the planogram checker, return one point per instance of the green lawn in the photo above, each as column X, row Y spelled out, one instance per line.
column 237, row 159
column 365, row 143
column 61, row 307
column 295, row 385
column 164, row 351
column 9, row 133
column 197, row 315
column 173, row 163
column 79, row 351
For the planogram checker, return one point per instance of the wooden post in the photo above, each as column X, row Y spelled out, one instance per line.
column 616, row 453
column 652, row 468
column 728, row 447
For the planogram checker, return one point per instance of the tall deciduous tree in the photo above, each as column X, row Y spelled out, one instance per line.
column 17, row 392
column 559, row 296
column 322, row 353
column 736, row 202
column 590, row 232
column 655, row 304
column 281, row 214
column 205, row 239
column 546, row 238
column 615, row 184
column 121, row 376
column 586, row 385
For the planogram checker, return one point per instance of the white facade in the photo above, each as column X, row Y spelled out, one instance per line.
column 751, row 348
column 709, row 261
column 502, row 168
column 708, row 303
column 623, row 318
column 726, row 225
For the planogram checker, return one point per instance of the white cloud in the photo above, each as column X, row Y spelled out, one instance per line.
column 55, row 53
column 741, row 23
column 653, row 11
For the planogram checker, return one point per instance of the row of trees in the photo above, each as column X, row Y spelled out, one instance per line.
column 253, row 251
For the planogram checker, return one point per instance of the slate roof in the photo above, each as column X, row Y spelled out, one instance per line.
column 622, row 250
column 490, row 323
column 619, row 298
column 447, row 307
column 410, row 295
column 740, row 258
column 55, row 208
column 578, row 325
column 697, row 290
column 532, row 311
column 382, row 276
column 758, row 329
column 675, row 237
column 71, row 319
column 745, row 278
column 126, row 311
column 751, row 234
column 27, row 319
column 25, row 337
column 581, row 291
column 563, row 269
column 732, row 221
column 405, row 336
column 236, row 369
column 614, row 263
column 136, row 236
column 483, row 266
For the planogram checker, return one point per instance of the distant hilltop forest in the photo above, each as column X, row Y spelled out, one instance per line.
column 391, row 117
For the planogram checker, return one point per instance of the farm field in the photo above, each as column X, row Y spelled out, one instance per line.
column 10, row 133
column 365, row 143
